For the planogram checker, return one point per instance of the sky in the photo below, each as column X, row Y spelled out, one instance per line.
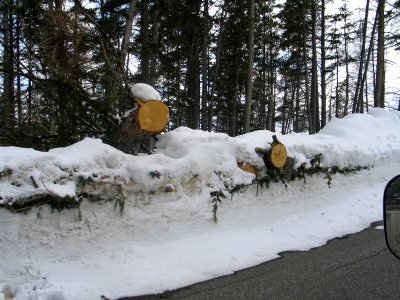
column 166, row 234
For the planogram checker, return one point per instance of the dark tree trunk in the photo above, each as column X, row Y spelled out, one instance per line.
column 364, row 77
column 214, row 82
column 154, row 44
column 249, row 82
column 379, row 99
column 323, row 68
column 8, row 78
column 145, row 57
column 346, row 50
column 314, row 73
column 204, row 91
column 356, row 102
column 311, row 128
column 193, row 68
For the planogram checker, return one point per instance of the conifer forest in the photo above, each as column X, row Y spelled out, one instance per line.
column 232, row 66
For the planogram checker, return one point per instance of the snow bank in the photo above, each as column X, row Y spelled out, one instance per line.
column 187, row 157
column 165, row 240
column 357, row 140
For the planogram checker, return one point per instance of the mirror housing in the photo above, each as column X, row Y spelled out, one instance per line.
column 391, row 213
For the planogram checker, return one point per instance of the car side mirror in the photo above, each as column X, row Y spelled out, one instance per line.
column 391, row 212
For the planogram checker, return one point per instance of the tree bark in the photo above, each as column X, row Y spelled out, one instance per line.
column 311, row 128
column 154, row 42
column 379, row 97
column 356, row 104
column 127, row 35
column 314, row 72
column 346, row 50
column 217, row 63
column 271, row 92
column 235, row 100
column 323, row 68
column 264, row 112
column 337, row 100
column 364, row 77
column 144, row 56
column 18, row 66
column 8, row 79
column 204, row 92
column 249, row 83
column 193, row 68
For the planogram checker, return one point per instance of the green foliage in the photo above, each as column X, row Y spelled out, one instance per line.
column 316, row 168
column 6, row 172
column 120, row 201
column 271, row 176
column 216, row 197
column 274, row 176
column 155, row 174
column 237, row 189
column 264, row 181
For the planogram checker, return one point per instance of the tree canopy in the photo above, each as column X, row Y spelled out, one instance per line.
column 228, row 66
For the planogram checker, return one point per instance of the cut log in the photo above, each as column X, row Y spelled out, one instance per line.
column 137, row 129
column 153, row 116
column 248, row 168
column 276, row 156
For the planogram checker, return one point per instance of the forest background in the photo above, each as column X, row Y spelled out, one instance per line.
column 230, row 66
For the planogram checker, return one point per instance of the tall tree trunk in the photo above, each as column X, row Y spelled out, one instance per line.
column 127, row 35
column 249, row 83
column 144, row 56
column 311, row 128
column 154, row 42
column 30, row 76
column 264, row 108
column 285, row 95
column 346, row 51
column 356, row 104
column 360, row 106
column 323, row 68
column 379, row 96
column 337, row 99
column 296, row 124
column 178, row 87
column 18, row 66
column 214, row 83
column 55, row 9
column 8, row 78
column 271, row 93
column 193, row 68
column 204, row 91
column 235, row 100
column 314, row 71
column 283, row 114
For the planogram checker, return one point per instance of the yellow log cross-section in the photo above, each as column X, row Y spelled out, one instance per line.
column 153, row 115
column 278, row 155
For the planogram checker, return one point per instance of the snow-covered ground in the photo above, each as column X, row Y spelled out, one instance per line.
column 167, row 239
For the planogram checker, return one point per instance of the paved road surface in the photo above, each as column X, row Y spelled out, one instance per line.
column 358, row 266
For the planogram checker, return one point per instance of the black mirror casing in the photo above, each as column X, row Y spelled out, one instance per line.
column 391, row 213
